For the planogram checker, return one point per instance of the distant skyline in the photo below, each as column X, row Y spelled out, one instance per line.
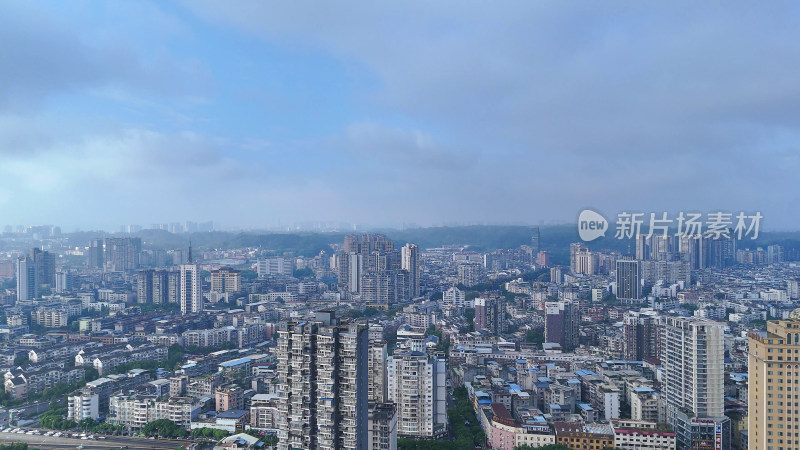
column 253, row 113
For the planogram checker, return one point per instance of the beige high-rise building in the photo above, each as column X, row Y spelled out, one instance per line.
column 225, row 280
column 773, row 391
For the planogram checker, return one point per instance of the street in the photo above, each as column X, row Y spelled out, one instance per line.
column 51, row 442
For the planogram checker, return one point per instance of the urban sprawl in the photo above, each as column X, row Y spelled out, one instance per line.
column 677, row 343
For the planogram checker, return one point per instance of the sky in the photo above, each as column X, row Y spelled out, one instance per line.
column 254, row 113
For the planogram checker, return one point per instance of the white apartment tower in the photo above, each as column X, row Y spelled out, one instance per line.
column 692, row 355
column 191, row 298
column 417, row 386
column 410, row 263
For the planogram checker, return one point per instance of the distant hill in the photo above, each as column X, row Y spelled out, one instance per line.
column 553, row 238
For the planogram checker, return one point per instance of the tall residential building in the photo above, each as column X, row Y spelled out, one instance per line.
column 378, row 355
column 410, row 263
column 323, row 376
column 174, row 286
column 574, row 249
column 371, row 269
column 27, row 279
column 556, row 275
column 629, row 280
column 642, row 335
column 191, row 292
column 122, row 254
column 584, row 261
column 469, row 274
column 160, row 287
column 64, row 281
column 225, row 280
column 774, row 254
column 144, row 286
column 543, row 259
column 490, row 315
column 454, row 297
column 152, row 286
column 643, row 244
column 382, row 426
column 45, row 263
column 692, row 357
column 95, row 254
column 773, row 413
column 663, row 248
column 417, row 386
column 561, row 323
column 535, row 245
column 692, row 250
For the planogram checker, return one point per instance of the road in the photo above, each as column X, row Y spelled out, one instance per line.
column 51, row 442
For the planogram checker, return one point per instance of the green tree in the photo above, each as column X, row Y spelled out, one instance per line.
column 164, row 428
column 305, row 272
column 535, row 336
column 22, row 359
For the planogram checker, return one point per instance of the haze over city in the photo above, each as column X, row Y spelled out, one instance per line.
column 416, row 225
column 384, row 113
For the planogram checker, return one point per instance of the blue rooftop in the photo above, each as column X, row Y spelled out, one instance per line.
column 236, row 362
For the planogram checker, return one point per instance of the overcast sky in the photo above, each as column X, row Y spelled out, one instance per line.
column 251, row 113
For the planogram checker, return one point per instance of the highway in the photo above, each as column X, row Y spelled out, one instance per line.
column 51, row 442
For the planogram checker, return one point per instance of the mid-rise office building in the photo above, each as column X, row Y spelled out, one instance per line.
column 274, row 266
column 226, row 280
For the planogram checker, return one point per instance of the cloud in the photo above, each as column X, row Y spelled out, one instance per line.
column 44, row 56
column 393, row 112
column 395, row 146
column 660, row 106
